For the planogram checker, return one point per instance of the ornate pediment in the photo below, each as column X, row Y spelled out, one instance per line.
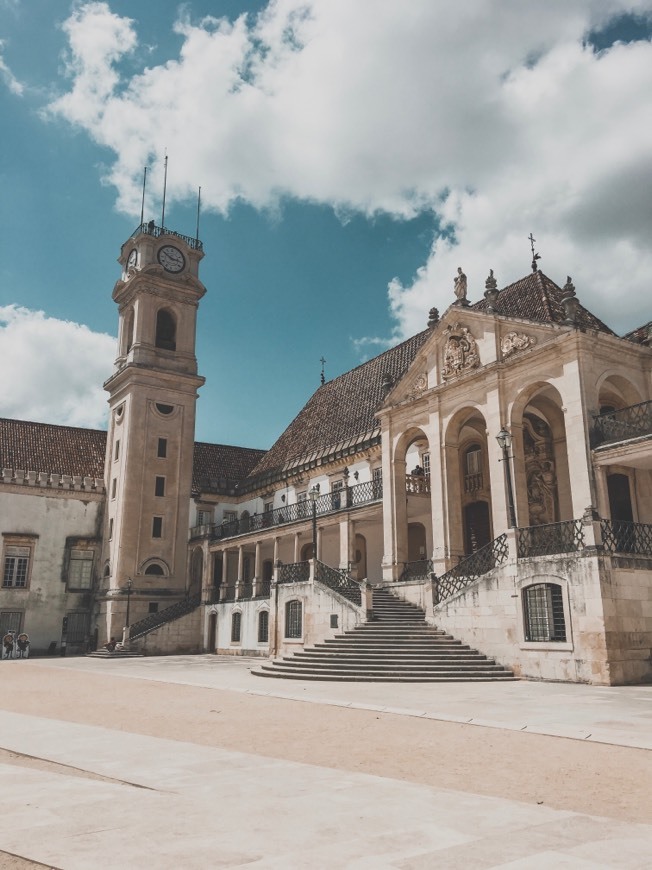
column 514, row 342
column 460, row 351
column 419, row 386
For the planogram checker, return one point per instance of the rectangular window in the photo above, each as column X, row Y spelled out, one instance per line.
column 302, row 504
column 377, row 482
column 204, row 518
column 544, row 613
column 425, row 461
column 263, row 626
column 336, row 494
column 159, row 486
column 80, row 569
column 114, row 486
column 111, row 528
column 269, row 507
column 116, row 452
column 16, row 567
column 293, row 619
column 236, row 623
column 230, row 516
column 162, row 450
column 157, row 527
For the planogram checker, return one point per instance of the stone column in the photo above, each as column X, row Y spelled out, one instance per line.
column 225, row 574
column 345, row 543
column 297, row 547
column 258, row 569
column 240, row 580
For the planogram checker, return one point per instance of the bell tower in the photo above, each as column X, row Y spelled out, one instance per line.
column 152, row 395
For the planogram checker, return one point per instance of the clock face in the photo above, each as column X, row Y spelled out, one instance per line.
column 171, row 258
column 133, row 257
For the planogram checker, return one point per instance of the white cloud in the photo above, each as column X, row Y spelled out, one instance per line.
column 496, row 116
column 60, row 386
column 8, row 77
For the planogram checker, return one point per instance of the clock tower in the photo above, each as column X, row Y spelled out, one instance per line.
column 152, row 395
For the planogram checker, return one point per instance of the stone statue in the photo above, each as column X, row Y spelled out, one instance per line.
column 460, row 286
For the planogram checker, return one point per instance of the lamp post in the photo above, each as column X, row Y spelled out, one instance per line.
column 314, row 495
column 127, row 590
column 504, row 439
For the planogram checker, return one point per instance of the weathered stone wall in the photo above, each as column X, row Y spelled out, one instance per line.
column 181, row 636
column 627, row 595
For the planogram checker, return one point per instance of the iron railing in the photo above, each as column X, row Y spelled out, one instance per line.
column 631, row 422
column 342, row 499
column 229, row 592
column 338, row 581
column 151, row 229
column 624, row 537
column 294, row 572
column 155, row 620
column 263, row 589
column 470, row 569
column 551, row 538
column 416, row 570
column 246, row 590
column 211, row 595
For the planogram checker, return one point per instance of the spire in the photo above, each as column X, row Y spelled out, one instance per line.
column 323, row 363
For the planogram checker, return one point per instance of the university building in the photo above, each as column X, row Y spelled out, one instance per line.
column 489, row 478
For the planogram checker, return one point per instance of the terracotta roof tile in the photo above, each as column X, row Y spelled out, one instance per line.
column 537, row 297
column 52, row 449
column 641, row 334
column 218, row 467
column 341, row 409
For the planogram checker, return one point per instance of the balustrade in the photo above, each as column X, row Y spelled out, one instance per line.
column 624, row 537
column 418, row 570
column 294, row 572
column 470, row 569
column 339, row 581
column 551, row 538
column 417, row 484
column 631, row 422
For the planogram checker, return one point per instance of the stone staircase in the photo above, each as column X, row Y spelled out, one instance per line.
column 397, row 646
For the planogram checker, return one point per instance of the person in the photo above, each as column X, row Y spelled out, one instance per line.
column 22, row 641
column 111, row 644
column 417, row 470
column 8, row 644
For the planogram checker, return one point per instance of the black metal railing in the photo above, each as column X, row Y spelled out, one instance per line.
column 551, row 538
column 246, row 589
column 155, row 620
column 470, row 569
column 631, row 422
column 342, row 499
column 294, row 572
column 263, row 589
column 624, row 537
column 229, row 592
column 339, row 581
column 151, row 229
column 211, row 595
column 416, row 570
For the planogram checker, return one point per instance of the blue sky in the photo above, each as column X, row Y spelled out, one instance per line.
column 351, row 156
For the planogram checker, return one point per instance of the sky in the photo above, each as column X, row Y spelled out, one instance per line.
column 351, row 155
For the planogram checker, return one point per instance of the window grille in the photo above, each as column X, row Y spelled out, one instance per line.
column 544, row 613
column 377, row 480
column 15, row 568
column 293, row 619
column 80, row 569
column 10, row 620
column 236, row 625
column 263, row 626
column 425, row 462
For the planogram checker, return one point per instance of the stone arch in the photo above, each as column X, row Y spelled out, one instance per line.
column 615, row 392
column 541, row 472
column 468, row 481
column 166, row 329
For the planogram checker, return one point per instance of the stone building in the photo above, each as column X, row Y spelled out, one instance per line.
column 495, row 469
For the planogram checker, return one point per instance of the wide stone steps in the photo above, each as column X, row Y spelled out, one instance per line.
column 396, row 646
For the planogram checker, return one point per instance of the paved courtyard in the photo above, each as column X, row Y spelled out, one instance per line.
column 192, row 762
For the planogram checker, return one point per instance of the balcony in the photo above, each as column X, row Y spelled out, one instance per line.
column 417, row 484
column 150, row 229
column 623, row 425
column 342, row 499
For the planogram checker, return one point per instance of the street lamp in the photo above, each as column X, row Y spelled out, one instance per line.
column 314, row 495
column 504, row 439
column 127, row 590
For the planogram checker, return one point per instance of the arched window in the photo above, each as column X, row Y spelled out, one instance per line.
column 166, row 330
column 543, row 611
column 293, row 619
column 154, row 570
column 263, row 626
column 473, row 468
column 236, row 626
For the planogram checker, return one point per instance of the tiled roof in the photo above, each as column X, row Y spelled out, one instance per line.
column 75, row 451
column 218, row 467
column 641, row 334
column 342, row 409
column 52, row 449
column 537, row 297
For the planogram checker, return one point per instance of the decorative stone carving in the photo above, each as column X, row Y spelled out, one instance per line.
column 433, row 317
column 419, row 386
column 460, row 352
column 540, row 471
column 513, row 342
column 491, row 291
